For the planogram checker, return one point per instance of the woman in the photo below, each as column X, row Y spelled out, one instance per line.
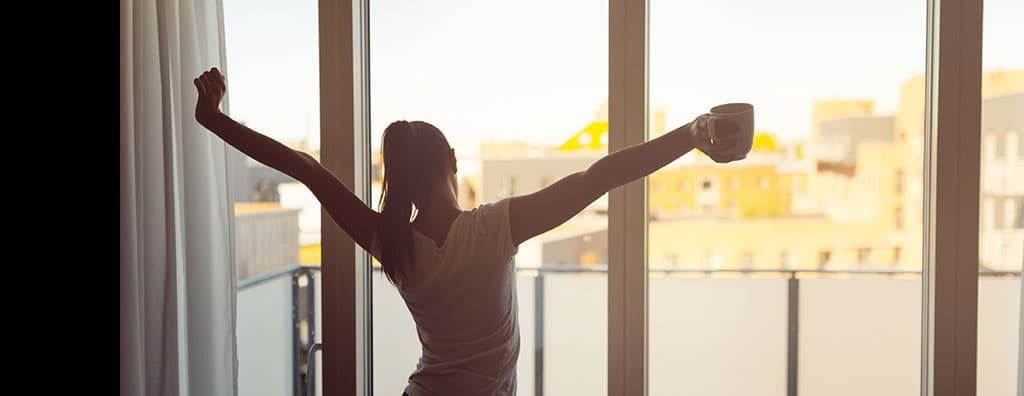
column 453, row 267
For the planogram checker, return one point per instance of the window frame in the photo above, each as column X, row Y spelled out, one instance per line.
column 952, row 161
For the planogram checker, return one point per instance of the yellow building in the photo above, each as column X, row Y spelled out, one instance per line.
column 824, row 110
column 755, row 189
column 748, row 189
column 776, row 243
column 910, row 136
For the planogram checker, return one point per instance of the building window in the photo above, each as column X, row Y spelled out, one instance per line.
column 988, row 211
column 713, row 261
column 989, row 143
column 824, row 258
column 734, row 182
column 590, row 257
column 863, row 257
column 785, row 260
column 899, row 181
column 747, row 260
column 1018, row 222
column 898, row 217
column 671, row 260
column 707, row 184
column 896, row 256
column 762, row 182
column 1012, row 145
column 1009, row 212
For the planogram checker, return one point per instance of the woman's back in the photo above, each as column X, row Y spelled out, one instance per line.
column 462, row 296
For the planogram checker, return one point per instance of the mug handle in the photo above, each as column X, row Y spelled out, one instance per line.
column 710, row 123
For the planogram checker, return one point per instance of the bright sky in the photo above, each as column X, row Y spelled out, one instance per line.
column 536, row 70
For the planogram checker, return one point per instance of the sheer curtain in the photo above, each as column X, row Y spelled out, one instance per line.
column 176, row 263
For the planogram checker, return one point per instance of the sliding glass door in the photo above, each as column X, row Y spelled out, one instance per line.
column 521, row 96
column 797, row 269
column 830, row 261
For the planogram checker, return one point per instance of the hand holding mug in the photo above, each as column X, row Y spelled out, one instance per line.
column 726, row 133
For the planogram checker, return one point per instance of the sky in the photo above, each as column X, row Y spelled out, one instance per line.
column 536, row 70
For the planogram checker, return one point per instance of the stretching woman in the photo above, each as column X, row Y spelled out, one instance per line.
column 453, row 267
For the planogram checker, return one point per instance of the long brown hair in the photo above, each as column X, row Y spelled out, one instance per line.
column 415, row 156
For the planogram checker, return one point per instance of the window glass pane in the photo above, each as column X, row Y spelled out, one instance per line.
column 817, row 233
column 273, row 87
column 1001, row 231
column 520, row 91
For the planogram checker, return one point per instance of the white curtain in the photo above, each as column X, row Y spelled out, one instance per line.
column 177, row 266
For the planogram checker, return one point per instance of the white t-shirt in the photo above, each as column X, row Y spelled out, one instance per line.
column 462, row 296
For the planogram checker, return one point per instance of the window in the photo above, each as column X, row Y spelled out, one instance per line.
column 989, row 142
column 899, row 181
column 273, row 87
column 1012, row 145
column 863, row 257
column 1000, row 240
column 747, row 260
column 474, row 72
column 800, row 108
column 824, row 258
column 988, row 210
column 1018, row 221
column 713, row 261
column 1009, row 212
column 895, row 87
column 785, row 260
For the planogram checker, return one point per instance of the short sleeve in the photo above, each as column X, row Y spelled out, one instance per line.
column 494, row 219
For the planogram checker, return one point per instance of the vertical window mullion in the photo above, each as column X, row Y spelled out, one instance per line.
column 952, row 163
column 344, row 145
column 627, row 220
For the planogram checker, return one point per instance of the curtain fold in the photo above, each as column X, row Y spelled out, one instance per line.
column 176, row 219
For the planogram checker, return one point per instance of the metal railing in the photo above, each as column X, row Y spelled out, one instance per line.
column 301, row 277
column 793, row 276
column 792, row 303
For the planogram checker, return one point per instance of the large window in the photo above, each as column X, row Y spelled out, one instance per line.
column 802, row 297
column 1000, row 231
column 521, row 96
column 827, row 262
column 273, row 87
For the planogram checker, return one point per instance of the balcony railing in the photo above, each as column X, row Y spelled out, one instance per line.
column 275, row 324
column 765, row 332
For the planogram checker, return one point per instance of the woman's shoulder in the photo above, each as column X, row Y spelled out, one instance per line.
column 491, row 220
column 498, row 205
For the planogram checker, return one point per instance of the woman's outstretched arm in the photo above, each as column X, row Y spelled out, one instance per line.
column 536, row 213
column 347, row 210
